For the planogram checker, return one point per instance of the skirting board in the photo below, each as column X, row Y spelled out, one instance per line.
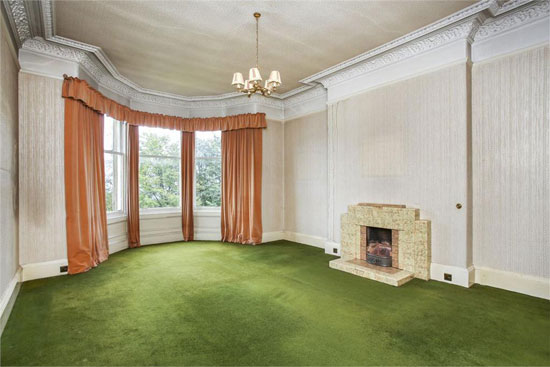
column 306, row 239
column 118, row 246
column 460, row 276
column 273, row 236
column 8, row 299
column 526, row 284
column 42, row 270
column 332, row 248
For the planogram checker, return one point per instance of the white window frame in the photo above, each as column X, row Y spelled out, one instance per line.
column 168, row 210
column 204, row 209
column 120, row 135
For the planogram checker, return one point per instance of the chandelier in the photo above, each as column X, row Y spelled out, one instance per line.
column 254, row 82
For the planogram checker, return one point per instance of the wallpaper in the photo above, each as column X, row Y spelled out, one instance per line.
column 8, row 159
column 511, row 145
column 305, row 187
column 42, row 195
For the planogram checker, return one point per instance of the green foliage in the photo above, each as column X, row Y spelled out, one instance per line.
column 208, row 172
column 158, row 177
column 109, row 182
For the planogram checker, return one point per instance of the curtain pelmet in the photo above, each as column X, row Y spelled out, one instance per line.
column 80, row 90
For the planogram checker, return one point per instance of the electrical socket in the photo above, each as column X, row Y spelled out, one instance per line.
column 334, row 250
column 448, row 277
column 64, row 269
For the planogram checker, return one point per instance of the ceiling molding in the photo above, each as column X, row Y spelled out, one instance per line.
column 19, row 20
column 445, row 22
column 465, row 30
column 507, row 6
column 516, row 18
column 470, row 23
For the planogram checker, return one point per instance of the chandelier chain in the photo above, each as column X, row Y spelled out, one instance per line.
column 257, row 51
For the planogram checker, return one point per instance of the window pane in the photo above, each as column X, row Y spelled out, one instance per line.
column 208, row 182
column 208, row 144
column 108, row 132
column 208, row 169
column 154, row 141
column 119, row 136
column 159, row 182
column 109, row 181
column 118, row 194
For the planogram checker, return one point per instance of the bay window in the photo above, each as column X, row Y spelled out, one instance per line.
column 160, row 168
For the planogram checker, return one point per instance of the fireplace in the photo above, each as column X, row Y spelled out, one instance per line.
column 379, row 246
column 370, row 231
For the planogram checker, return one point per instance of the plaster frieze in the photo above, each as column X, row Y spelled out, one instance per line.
column 105, row 79
column 19, row 19
column 536, row 10
column 469, row 24
column 464, row 30
column 436, row 26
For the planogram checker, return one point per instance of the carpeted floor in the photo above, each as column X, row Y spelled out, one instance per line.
column 208, row 303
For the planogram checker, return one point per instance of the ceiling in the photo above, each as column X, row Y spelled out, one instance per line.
column 192, row 48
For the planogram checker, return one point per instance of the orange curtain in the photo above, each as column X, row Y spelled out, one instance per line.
column 87, row 243
column 80, row 90
column 241, row 217
column 187, row 168
column 133, row 186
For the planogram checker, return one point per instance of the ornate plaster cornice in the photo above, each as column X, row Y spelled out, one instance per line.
column 19, row 20
column 304, row 96
column 506, row 6
column 469, row 24
column 105, row 80
column 464, row 30
column 436, row 26
column 521, row 15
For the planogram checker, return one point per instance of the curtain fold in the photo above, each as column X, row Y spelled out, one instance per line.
column 80, row 90
column 87, row 242
column 133, row 186
column 187, row 181
column 241, row 212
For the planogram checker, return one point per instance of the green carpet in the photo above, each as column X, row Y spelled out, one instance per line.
column 208, row 303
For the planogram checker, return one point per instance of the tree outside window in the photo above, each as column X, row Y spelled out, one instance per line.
column 159, row 168
column 208, row 169
column 115, row 162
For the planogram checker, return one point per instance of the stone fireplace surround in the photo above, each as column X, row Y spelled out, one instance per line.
column 411, row 243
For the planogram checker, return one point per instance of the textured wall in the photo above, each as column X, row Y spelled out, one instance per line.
column 406, row 143
column 511, row 145
column 305, row 144
column 42, row 232
column 272, row 177
column 8, row 158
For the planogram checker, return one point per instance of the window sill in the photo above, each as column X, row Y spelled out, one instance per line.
column 116, row 218
column 207, row 212
column 154, row 214
column 160, row 213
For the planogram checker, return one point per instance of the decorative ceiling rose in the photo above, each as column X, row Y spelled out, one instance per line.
column 254, row 82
